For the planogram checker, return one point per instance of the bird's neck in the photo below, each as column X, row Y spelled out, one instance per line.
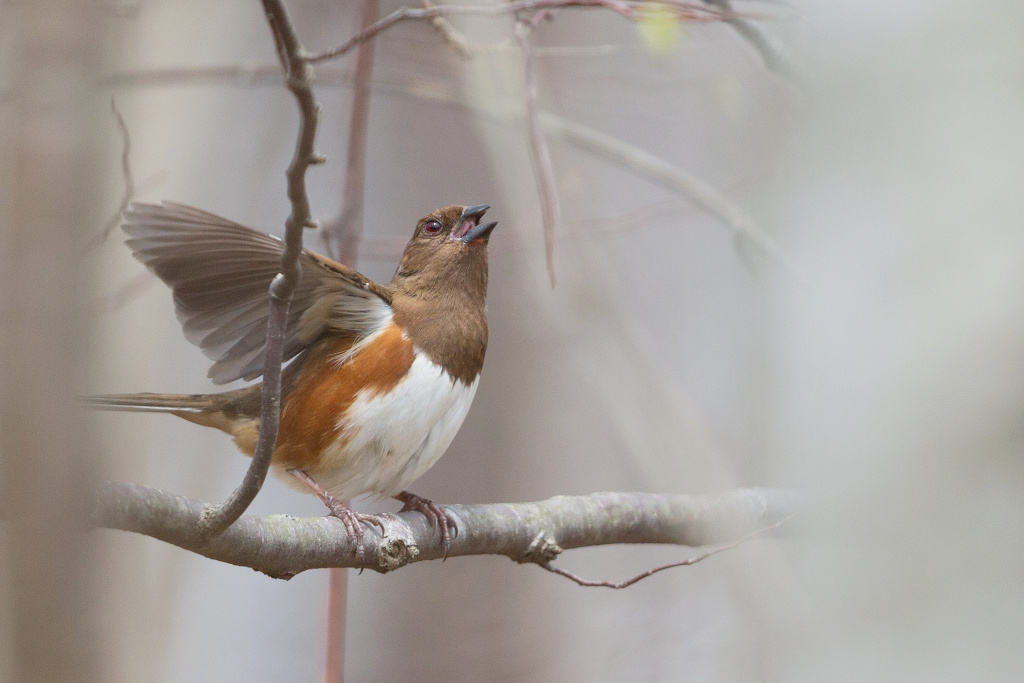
column 448, row 323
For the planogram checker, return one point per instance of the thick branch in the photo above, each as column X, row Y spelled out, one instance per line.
column 299, row 78
column 282, row 546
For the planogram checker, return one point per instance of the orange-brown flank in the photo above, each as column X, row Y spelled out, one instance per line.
column 309, row 418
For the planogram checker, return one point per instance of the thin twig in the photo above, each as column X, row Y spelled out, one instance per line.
column 342, row 235
column 745, row 230
column 540, row 155
column 283, row 546
column 126, row 170
column 589, row 583
column 625, row 8
column 771, row 52
column 455, row 40
column 610, row 148
column 298, row 77
column 126, row 176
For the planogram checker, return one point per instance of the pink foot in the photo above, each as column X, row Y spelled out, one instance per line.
column 352, row 520
column 436, row 514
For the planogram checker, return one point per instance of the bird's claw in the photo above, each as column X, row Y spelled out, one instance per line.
column 437, row 515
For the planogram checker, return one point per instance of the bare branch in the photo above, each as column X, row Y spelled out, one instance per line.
column 126, row 170
column 770, row 51
column 540, row 155
column 126, row 174
column 283, row 546
column 744, row 229
column 589, row 583
column 299, row 77
column 625, row 8
column 342, row 235
column 610, row 148
column 455, row 40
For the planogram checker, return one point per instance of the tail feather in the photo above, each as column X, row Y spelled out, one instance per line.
column 155, row 403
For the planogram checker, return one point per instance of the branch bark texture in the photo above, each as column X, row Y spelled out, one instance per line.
column 282, row 546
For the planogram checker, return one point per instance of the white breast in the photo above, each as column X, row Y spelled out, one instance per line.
column 386, row 441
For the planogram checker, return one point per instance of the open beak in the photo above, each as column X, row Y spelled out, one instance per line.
column 469, row 228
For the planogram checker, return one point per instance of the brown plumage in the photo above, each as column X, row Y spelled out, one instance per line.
column 381, row 376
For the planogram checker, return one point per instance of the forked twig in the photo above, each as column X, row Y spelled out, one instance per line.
column 672, row 565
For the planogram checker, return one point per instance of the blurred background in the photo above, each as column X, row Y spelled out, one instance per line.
column 881, row 375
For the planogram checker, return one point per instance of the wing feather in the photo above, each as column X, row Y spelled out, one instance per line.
column 220, row 272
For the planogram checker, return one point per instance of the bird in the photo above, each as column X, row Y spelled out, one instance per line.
column 380, row 377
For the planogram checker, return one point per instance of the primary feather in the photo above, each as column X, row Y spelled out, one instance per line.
column 220, row 272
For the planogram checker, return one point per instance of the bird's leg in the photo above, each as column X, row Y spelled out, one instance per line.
column 350, row 518
column 436, row 514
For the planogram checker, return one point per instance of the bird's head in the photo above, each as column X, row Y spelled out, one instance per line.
column 447, row 252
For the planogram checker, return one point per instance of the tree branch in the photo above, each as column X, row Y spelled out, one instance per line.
column 299, row 77
column 342, row 235
column 282, row 546
column 625, row 8
column 540, row 155
column 771, row 52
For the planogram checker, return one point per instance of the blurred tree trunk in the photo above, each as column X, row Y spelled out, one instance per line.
column 50, row 194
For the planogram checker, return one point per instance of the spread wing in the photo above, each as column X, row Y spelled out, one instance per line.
column 220, row 273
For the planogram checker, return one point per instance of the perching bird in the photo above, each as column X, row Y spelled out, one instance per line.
column 382, row 376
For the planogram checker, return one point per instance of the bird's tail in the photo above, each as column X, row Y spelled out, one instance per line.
column 157, row 403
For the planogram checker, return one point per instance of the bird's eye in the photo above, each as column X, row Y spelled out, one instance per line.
column 432, row 227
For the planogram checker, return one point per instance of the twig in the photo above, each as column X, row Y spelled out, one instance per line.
column 770, row 51
column 744, row 229
column 342, row 235
column 283, row 546
column 126, row 175
column 540, row 155
column 610, row 148
column 298, row 76
column 126, row 169
column 455, row 40
column 625, row 8
column 672, row 565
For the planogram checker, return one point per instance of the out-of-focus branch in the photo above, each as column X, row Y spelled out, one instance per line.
column 299, row 78
column 126, row 171
column 455, row 40
column 770, row 51
column 625, row 8
column 744, row 229
column 342, row 235
column 282, row 546
column 610, row 148
column 540, row 155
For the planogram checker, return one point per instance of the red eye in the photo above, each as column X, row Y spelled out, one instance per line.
column 432, row 227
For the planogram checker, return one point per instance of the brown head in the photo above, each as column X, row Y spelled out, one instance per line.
column 440, row 288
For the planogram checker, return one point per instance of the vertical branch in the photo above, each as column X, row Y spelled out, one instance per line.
column 299, row 78
column 337, row 608
column 342, row 237
column 542, row 169
column 343, row 234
